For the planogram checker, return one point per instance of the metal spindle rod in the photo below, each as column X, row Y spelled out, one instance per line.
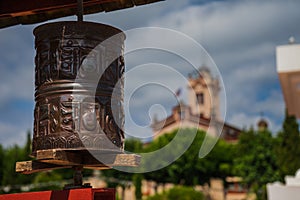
column 80, row 10
column 77, row 176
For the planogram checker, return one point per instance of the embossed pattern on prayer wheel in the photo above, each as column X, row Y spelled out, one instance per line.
column 79, row 84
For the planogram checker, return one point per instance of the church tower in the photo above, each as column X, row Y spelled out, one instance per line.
column 202, row 111
column 204, row 94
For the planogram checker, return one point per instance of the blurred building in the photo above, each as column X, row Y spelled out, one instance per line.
column 236, row 190
column 202, row 109
column 288, row 68
column 262, row 124
column 290, row 191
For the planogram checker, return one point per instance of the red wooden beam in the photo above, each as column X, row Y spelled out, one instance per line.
column 73, row 194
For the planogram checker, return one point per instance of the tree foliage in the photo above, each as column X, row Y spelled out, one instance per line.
column 9, row 158
column 179, row 193
column 216, row 164
column 137, row 181
column 256, row 161
column 288, row 148
column 115, row 178
column 1, row 165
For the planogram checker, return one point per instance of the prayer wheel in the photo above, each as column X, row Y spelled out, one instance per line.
column 79, row 87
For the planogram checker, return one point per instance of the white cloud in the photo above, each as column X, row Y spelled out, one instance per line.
column 11, row 134
column 16, row 84
column 17, row 67
column 233, row 30
column 246, row 121
column 241, row 36
column 243, row 120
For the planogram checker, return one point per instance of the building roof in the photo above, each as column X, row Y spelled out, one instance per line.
column 199, row 72
column 14, row 12
column 229, row 133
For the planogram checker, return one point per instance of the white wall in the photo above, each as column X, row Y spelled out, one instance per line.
column 288, row 58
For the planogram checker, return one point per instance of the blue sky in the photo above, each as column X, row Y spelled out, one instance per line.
column 240, row 36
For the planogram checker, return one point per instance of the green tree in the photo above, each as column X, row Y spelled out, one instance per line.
column 49, row 180
column 133, row 145
column 184, row 193
column 221, row 159
column 116, row 178
column 179, row 193
column 217, row 164
column 288, row 148
column 162, row 175
column 189, row 163
column 10, row 156
column 256, row 161
column 1, row 165
column 137, row 181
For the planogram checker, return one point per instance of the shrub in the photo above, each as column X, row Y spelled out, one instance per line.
column 179, row 193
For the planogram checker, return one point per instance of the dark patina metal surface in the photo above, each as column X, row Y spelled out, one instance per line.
column 72, row 111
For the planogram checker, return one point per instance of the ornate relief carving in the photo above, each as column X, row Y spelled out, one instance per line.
column 66, row 51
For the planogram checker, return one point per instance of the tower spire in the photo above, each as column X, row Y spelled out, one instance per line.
column 204, row 94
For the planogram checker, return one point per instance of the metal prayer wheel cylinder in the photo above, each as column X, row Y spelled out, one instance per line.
column 78, row 87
